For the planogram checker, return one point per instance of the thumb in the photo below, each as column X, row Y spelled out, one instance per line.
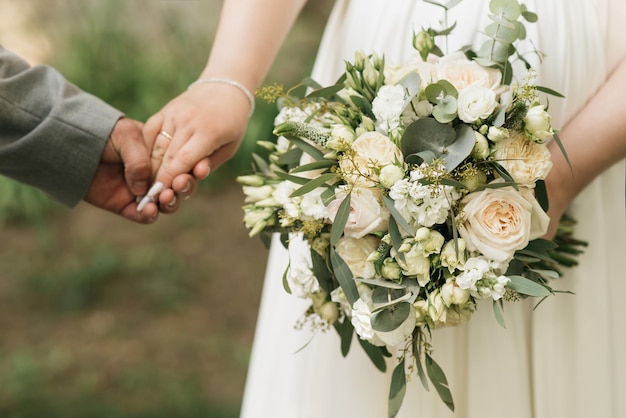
column 127, row 140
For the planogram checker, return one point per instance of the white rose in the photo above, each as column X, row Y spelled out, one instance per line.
column 452, row 294
column 453, row 254
column 390, row 174
column 366, row 213
column 300, row 276
column 361, row 319
column 462, row 73
column 526, row 161
column 371, row 151
column 416, row 264
column 537, row 123
column 497, row 134
column 355, row 253
column 476, row 102
column 436, row 307
column 500, row 221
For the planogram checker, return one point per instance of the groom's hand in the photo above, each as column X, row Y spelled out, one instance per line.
column 125, row 172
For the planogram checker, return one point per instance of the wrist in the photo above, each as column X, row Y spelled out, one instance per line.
column 228, row 82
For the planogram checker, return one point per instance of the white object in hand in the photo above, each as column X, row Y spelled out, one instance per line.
column 150, row 197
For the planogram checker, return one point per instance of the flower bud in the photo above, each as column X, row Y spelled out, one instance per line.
column 391, row 270
column 537, row 124
column 328, row 312
column 481, row 147
column 251, row 180
column 390, row 174
column 452, row 294
column 497, row 134
column 453, row 254
column 423, row 42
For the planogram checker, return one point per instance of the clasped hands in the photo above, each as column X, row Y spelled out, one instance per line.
column 162, row 160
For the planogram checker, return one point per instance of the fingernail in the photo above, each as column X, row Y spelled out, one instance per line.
column 172, row 203
column 142, row 204
column 156, row 189
column 140, row 187
column 187, row 188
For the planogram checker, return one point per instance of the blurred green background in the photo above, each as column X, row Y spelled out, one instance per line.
column 100, row 317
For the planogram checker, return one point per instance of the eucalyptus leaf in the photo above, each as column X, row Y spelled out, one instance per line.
column 345, row 331
column 321, row 272
column 375, row 354
column 497, row 310
column 396, row 237
column 548, row 91
column 391, row 318
column 316, row 165
column 344, row 277
column 306, row 147
column 397, row 216
column 527, row 287
column 261, row 164
column 314, row 184
column 439, row 381
column 380, row 283
column 325, row 92
column 509, row 9
column 293, row 179
column 397, row 389
column 420, row 157
column 546, row 274
column 411, row 84
column 328, row 196
column 384, row 296
column 292, row 156
column 339, row 224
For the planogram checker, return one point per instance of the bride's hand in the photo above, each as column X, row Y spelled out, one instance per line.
column 197, row 131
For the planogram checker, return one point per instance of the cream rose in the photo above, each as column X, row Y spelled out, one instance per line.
column 537, row 123
column 355, row 253
column 476, row 102
column 366, row 213
column 370, row 152
column 498, row 222
column 462, row 73
column 427, row 70
column 526, row 161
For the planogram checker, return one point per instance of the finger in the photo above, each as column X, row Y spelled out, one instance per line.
column 149, row 214
column 185, row 185
column 182, row 160
column 222, row 155
column 202, row 169
column 168, row 201
column 151, row 129
column 137, row 164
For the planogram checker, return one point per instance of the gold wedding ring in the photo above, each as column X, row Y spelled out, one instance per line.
column 167, row 135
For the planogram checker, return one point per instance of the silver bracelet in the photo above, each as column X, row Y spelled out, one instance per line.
column 229, row 82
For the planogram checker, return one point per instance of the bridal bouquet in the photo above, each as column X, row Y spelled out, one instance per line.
column 405, row 194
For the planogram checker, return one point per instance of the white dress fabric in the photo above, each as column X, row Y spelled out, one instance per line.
column 567, row 358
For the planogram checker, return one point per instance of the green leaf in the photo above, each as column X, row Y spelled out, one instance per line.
column 345, row 331
column 562, row 148
column 290, row 157
column 339, row 224
column 261, row 164
column 420, row 157
column 497, row 310
column 546, row 274
column 344, row 277
column 529, row 16
column 375, row 354
column 313, row 184
column 397, row 389
column 306, row 147
column 317, row 165
column 541, row 194
column 438, row 378
column 293, row 179
column 397, row 216
column 381, row 283
column 548, row 91
column 320, row 271
column 509, row 9
column 286, row 282
column 391, row 318
column 527, row 287
column 541, row 245
column 448, row 144
column 328, row 196
column 396, row 237
column 325, row 92
column 384, row 297
column 411, row 83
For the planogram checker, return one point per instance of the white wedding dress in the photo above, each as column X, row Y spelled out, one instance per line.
column 567, row 358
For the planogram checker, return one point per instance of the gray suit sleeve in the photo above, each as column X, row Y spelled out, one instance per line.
column 51, row 133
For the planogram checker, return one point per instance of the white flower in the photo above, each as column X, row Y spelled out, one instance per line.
column 481, row 147
column 255, row 194
column 361, row 319
column 453, row 294
column 476, row 102
column 388, row 106
column 390, row 175
column 391, row 270
column 436, row 307
column 366, row 213
column 300, row 276
column 341, row 136
column 498, row 289
column 416, row 264
column 462, row 73
column 453, row 254
column 497, row 134
column 355, row 253
column 473, row 271
column 282, row 194
column 526, row 161
column 312, row 205
column 537, row 123
column 498, row 222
